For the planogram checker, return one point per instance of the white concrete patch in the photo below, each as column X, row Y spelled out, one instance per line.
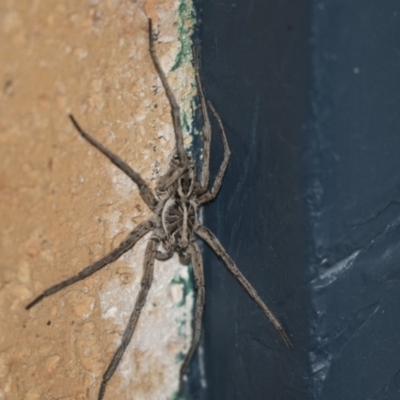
column 163, row 332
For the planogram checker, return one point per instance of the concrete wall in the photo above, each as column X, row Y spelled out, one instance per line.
column 63, row 205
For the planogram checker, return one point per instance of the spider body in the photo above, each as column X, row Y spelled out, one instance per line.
column 174, row 225
column 179, row 212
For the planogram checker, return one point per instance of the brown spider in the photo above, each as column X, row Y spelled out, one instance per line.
column 174, row 223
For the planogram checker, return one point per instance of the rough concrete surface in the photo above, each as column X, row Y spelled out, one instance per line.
column 63, row 205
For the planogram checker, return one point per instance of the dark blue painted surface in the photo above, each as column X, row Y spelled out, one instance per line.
column 249, row 51
column 352, row 170
column 310, row 208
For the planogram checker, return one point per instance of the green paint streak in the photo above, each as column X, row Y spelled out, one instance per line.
column 180, row 357
column 186, row 13
column 185, row 122
column 177, row 396
column 187, row 286
column 184, row 25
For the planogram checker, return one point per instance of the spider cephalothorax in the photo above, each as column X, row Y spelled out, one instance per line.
column 173, row 225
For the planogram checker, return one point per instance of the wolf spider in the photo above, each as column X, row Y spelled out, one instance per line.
column 174, row 223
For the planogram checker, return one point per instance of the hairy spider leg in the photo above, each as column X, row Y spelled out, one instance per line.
column 205, row 167
column 216, row 246
column 125, row 245
column 145, row 192
column 198, row 273
column 145, row 284
column 175, row 111
column 171, row 176
column 211, row 194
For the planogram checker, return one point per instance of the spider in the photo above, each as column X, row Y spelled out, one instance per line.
column 174, row 223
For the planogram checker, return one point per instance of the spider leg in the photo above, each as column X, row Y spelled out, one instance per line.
column 205, row 169
column 145, row 284
column 214, row 243
column 144, row 189
column 176, row 117
column 126, row 245
column 210, row 195
column 200, row 299
column 171, row 176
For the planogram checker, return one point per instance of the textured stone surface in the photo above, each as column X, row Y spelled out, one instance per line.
column 63, row 206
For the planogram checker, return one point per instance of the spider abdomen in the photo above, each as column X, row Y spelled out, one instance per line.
column 178, row 220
